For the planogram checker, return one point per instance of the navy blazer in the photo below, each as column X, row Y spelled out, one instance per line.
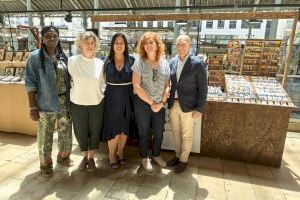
column 192, row 85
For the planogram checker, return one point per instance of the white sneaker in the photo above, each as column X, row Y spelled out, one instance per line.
column 160, row 161
column 147, row 165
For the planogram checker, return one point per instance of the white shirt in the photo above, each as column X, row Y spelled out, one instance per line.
column 87, row 80
column 180, row 66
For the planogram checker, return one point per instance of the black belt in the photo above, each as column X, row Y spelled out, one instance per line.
column 176, row 99
column 61, row 94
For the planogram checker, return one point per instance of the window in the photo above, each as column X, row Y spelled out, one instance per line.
column 160, row 24
column 209, row 24
column 140, row 24
column 232, row 24
column 245, row 24
column 256, row 25
column 195, row 24
column 130, row 24
column 170, row 24
column 221, row 24
column 150, row 24
column 269, row 23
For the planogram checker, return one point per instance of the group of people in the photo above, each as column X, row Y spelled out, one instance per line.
column 105, row 100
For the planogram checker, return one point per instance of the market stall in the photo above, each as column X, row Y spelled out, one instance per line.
column 248, row 123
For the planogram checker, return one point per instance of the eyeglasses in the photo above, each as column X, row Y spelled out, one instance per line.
column 155, row 75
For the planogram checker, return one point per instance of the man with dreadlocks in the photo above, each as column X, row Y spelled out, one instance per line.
column 47, row 84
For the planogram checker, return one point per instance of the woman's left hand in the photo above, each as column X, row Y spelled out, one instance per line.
column 156, row 107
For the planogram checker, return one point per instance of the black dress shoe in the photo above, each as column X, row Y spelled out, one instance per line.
column 180, row 167
column 174, row 161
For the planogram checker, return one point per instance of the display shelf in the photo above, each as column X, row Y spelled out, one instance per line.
column 234, row 55
column 261, row 57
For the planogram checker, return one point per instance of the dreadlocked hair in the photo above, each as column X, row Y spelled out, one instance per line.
column 61, row 54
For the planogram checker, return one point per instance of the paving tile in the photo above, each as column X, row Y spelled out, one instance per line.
column 73, row 182
column 266, row 189
column 59, row 194
column 210, row 163
column 123, row 189
column 95, row 188
column 33, row 190
column 190, row 186
column 152, row 193
column 259, row 171
column 9, row 169
column 237, row 180
column 234, row 167
column 9, row 187
column 211, row 185
column 234, row 192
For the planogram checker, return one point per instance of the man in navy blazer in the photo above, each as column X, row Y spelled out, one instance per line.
column 187, row 99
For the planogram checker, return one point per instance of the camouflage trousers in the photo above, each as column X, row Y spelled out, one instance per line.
column 47, row 124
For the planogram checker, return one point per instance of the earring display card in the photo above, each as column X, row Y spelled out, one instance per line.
column 19, row 55
column 19, row 72
column 9, row 71
column 9, row 55
column 26, row 55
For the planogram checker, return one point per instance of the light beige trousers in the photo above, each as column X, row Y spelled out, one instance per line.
column 182, row 127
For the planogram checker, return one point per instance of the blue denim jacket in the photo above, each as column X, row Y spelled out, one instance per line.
column 44, row 83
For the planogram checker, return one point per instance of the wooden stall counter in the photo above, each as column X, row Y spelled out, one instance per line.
column 245, row 132
column 14, row 115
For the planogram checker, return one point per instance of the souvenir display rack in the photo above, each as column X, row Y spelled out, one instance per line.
column 12, row 65
column 261, row 57
column 270, row 58
column 251, row 57
column 234, row 55
column 215, row 70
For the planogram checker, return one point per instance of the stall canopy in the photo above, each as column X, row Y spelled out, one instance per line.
column 145, row 6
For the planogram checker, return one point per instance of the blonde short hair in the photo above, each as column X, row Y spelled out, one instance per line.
column 84, row 36
column 160, row 45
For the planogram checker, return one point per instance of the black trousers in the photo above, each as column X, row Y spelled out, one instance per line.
column 148, row 120
column 87, row 123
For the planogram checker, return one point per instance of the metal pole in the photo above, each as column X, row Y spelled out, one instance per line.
column 96, row 6
column 176, row 29
column 289, row 53
column 31, row 40
column 198, row 32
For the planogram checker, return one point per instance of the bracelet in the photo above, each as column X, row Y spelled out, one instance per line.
column 163, row 102
column 33, row 108
column 152, row 103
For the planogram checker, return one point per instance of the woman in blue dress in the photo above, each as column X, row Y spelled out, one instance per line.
column 118, row 109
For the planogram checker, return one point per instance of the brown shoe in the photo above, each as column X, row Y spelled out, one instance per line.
column 174, row 161
column 180, row 167
column 65, row 161
column 91, row 165
column 47, row 170
column 83, row 164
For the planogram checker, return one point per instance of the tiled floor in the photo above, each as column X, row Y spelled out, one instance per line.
column 205, row 178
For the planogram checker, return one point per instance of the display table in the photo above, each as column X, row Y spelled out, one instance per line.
column 14, row 115
column 245, row 132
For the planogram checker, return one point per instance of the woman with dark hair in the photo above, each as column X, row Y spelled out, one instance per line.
column 48, row 88
column 118, row 99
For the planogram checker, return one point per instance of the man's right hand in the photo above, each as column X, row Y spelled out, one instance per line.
column 35, row 114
